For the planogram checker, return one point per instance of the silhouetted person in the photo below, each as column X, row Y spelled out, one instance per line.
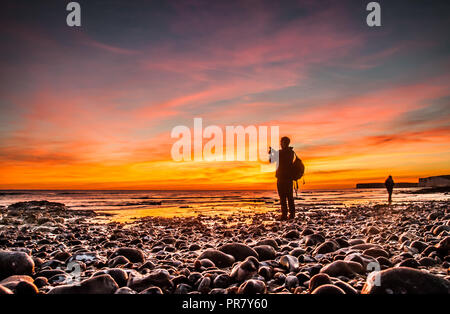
column 284, row 177
column 389, row 183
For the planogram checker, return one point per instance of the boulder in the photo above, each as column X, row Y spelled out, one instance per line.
column 15, row 263
column 101, row 284
column 405, row 280
column 239, row 251
column 219, row 258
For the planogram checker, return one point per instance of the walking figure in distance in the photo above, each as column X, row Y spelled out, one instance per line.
column 389, row 183
column 285, row 159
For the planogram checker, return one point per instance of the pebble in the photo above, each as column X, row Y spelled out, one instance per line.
column 342, row 268
column 252, row 286
column 289, row 262
column 239, row 251
column 102, row 284
column 245, row 269
column 132, row 254
column 328, row 290
column 219, row 258
column 265, row 252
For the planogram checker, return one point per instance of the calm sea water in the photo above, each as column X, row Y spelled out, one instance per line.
column 131, row 204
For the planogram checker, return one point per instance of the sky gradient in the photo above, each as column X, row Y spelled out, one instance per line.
column 93, row 107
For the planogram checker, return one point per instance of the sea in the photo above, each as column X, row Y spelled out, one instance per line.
column 126, row 205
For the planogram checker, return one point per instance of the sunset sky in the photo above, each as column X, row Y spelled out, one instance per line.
column 92, row 107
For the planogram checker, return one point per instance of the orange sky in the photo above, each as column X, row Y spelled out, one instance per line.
column 93, row 108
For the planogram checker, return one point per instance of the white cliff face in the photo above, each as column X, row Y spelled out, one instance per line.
column 435, row 181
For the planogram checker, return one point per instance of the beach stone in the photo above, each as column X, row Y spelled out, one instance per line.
column 375, row 252
column 409, row 262
column 353, row 242
column 152, row 290
column 265, row 252
column 348, row 289
column 289, row 262
column 219, row 258
column 204, row 262
column 291, row 282
column 218, row 291
column 204, row 285
column 22, row 287
column 50, row 273
column 252, row 286
column 342, row 268
column 302, row 277
column 418, row 245
column 307, row 231
column 365, row 246
column 62, row 256
column 102, row 284
column 328, row 289
column 265, row 272
column 159, row 278
column 444, row 245
column 132, row 254
column 326, row 247
column 15, row 263
column 292, row 234
column 314, row 239
column 383, row 261
column 405, row 280
column 239, row 251
column 270, row 242
column 182, row 288
column 372, row 230
column 4, row 290
column 245, row 270
column 20, row 284
column 40, row 282
column 434, row 215
column 119, row 275
column 222, row 281
column 194, row 247
column 117, row 261
column 125, row 290
column 427, row 261
column 318, row 280
column 297, row 252
column 442, row 228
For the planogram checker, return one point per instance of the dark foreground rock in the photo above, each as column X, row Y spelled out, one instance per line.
column 405, row 280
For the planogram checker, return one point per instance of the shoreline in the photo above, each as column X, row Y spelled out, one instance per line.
column 319, row 252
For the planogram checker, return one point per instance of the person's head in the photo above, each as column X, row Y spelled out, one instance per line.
column 284, row 142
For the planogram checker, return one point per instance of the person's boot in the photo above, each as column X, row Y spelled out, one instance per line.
column 291, row 216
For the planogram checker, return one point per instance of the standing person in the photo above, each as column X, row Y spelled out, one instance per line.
column 389, row 183
column 285, row 160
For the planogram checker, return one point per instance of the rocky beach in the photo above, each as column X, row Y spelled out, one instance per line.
column 47, row 248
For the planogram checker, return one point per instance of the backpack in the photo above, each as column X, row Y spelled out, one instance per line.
column 298, row 170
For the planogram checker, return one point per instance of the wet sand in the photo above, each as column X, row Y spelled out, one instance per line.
column 48, row 248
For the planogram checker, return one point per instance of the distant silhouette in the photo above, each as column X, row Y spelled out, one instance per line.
column 389, row 183
column 285, row 159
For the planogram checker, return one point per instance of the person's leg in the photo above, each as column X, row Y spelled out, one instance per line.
column 390, row 196
column 290, row 197
column 282, row 194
